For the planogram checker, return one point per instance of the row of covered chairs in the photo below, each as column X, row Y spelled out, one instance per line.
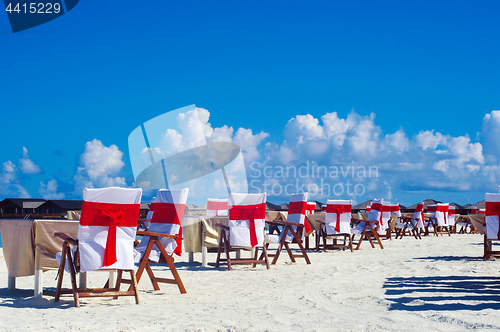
column 109, row 225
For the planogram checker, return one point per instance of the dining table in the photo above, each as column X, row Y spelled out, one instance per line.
column 30, row 248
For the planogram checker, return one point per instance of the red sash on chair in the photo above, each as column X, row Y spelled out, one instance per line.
column 212, row 205
column 444, row 209
column 168, row 213
column 111, row 215
column 338, row 209
column 250, row 213
column 493, row 209
column 310, row 210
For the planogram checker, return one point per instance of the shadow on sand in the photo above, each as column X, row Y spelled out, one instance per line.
column 455, row 292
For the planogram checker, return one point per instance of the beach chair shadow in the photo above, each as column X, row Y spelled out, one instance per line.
column 443, row 293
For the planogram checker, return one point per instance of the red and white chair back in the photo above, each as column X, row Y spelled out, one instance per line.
column 483, row 211
column 492, row 216
column 432, row 209
column 107, row 228
column 149, row 215
column 297, row 212
column 451, row 215
column 442, row 214
column 375, row 213
column 311, row 207
column 217, row 207
column 247, row 219
column 369, row 208
column 386, row 215
column 167, row 219
column 338, row 217
column 419, row 214
column 395, row 209
column 473, row 210
column 323, row 208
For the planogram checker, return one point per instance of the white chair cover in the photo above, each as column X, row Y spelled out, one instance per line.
column 217, row 207
column 240, row 229
column 386, row 216
column 442, row 214
column 419, row 215
column 338, row 217
column 92, row 239
column 296, row 214
column 374, row 214
column 172, row 200
column 492, row 216
column 451, row 215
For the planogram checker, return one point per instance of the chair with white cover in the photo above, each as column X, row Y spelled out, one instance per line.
column 164, row 237
column 431, row 220
column 492, row 229
column 247, row 214
column 451, row 218
column 217, row 207
column 311, row 207
column 293, row 230
column 369, row 229
column 105, row 241
column 337, row 224
column 416, row 223
column 385, row 221
column 441, row 216
column 145, row 222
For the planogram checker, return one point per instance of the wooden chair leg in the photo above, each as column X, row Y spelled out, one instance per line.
column 60, row 272
column 134, row 286
column 266, row 257
column 76, row 295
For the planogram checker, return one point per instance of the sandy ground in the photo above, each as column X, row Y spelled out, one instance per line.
column 433, row 284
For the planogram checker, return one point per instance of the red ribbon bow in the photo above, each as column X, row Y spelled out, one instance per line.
column 113, row 216
column 338, row 209
column 493, row 209
column 250, row 213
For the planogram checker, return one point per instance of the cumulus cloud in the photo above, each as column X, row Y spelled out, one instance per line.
column 10, row 184
column 99, row 167
column 49, row 190
column 427, row 161
column 27, row 166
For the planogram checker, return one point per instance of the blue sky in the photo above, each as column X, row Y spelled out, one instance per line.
column 74, row 88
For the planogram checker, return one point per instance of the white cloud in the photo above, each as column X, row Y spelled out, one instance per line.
column 27, row 166
column 99, row 167
column 49, row 190
column 428, row 140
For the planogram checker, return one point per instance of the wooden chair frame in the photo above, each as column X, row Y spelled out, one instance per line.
column 438, row 229
column 368, row 233
column 335, row 245
column 154, row 238
column 224, row 245
column 74, row 268
column 414, row 231
column 297, row 239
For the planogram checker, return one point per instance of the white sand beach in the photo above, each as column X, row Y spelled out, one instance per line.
column 433, row 284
